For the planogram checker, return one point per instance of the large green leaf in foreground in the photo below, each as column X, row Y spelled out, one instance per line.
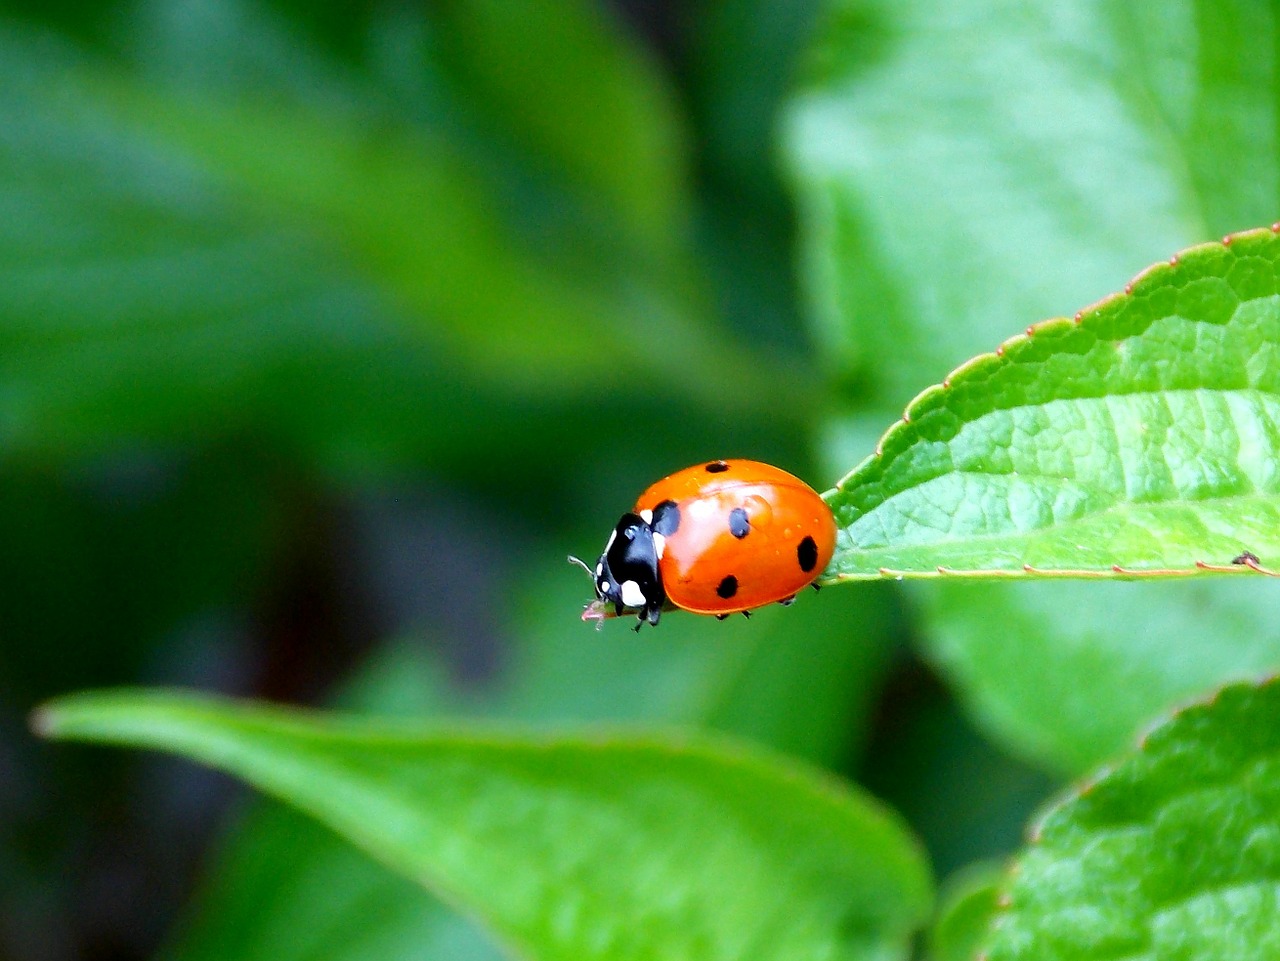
column 788, row 679
column 1138, row 437
column 573, row 847
column 1173, row 853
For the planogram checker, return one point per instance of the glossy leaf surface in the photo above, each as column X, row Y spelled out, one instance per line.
column 513, row 828
column 1173, row 852
column 788, row 679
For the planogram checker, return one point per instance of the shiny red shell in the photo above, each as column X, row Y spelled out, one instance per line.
column 749, row 534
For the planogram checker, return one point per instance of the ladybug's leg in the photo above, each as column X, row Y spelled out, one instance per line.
column 816, row 586
column 746, row 614
column 651, row 612
column 721, row 617
column 788, row 601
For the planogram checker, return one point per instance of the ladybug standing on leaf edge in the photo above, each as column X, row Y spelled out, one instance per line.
column 717, row 538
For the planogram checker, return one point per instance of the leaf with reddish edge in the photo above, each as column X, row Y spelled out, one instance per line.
column 1172, row 852
column 1138, row 438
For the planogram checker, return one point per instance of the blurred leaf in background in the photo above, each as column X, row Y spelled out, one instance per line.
column 965, row 169
column 322, row 325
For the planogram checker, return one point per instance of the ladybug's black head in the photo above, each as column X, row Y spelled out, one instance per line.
column 627, row 574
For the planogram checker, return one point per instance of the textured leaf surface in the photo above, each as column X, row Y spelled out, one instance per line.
column 1066, row 674
column 1172, row 853
column 1138, row 437
column 515, row 828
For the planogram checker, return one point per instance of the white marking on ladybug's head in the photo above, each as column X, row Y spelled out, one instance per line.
column 646, row 516
column 602, row 587
column 632, row 596
column 659, row 544
column 600, row 569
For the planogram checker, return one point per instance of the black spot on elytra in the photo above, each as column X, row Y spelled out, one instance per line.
column 666, row 518
column 728, row 587
column 807, row 554
column 717, row 467
column 739, row 524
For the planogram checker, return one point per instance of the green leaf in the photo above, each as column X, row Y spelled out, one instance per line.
column 964, row 169
column 281, row 886
column 1137, row 438
column 222, row 227
column 420, row 198
column 789, row 679
column 968, row 900
column 575, row 846
column 288, row 889
column 1065, row 674
column 1173, row 852
column 577, row 94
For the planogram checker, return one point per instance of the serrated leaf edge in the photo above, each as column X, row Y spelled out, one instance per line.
column 1086, row 785
column 1245, row 563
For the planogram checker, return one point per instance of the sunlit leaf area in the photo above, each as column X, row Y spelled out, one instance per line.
column 328, row 331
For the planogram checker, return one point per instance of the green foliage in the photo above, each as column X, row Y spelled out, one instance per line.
column 570, row 846
column 270, row 267
column 1138, row 438
column 289, row 889
column 1172, row 852
column 1069, row 692
column 332, row 256
column 809, row 702
column 964, row 171
column 968, row 902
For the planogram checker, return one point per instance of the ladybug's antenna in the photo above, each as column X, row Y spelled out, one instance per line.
column 580, row 563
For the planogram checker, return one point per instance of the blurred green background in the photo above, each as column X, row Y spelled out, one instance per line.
column 328, row 330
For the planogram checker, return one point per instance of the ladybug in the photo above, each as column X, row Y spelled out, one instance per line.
column 717, row 538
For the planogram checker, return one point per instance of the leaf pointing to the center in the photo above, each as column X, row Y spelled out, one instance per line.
column 571, row 847
column 1139, row 437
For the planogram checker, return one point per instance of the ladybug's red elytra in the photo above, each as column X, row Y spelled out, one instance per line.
column 717, row 538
